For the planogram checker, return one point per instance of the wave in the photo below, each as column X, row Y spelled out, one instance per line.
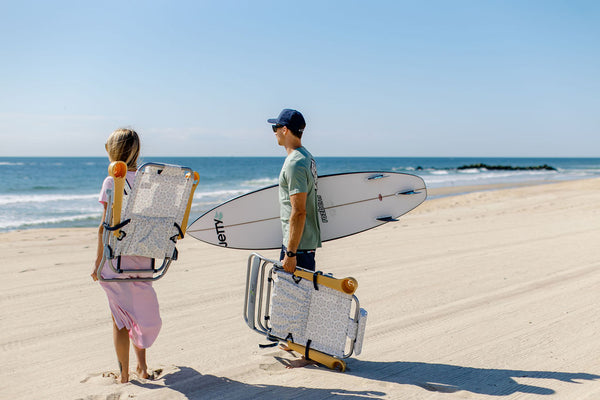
column 11, row 163
column 43, row 198
column 13, row 224
column 218, row 194
column 260, row 182
column 486, row 177
column 471, row 170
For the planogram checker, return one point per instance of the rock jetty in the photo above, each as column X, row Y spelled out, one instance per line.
column 544, row 167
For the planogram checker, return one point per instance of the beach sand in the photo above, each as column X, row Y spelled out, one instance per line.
column 492, row 294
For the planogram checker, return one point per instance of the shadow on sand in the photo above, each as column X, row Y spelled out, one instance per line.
column 195, row 386
column 451, row 378
column 441, row 378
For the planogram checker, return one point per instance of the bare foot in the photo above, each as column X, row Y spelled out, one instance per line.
column 121, row 378
column 285, row 348
column 290, row 364
column 144, row 374
column 303, row 362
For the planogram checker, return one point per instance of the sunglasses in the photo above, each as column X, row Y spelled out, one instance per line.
column 275, row 127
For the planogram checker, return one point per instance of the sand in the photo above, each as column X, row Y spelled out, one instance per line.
column 491, row 294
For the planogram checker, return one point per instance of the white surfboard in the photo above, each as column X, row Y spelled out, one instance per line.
column 348, row 203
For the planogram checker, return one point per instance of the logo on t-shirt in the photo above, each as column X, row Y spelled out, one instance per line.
column 321, row 208
column 320, row 205
column 313, row 170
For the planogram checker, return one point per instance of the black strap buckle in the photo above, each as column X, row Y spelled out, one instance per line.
column 180, row 234
column 306, row 350
column 315, row 279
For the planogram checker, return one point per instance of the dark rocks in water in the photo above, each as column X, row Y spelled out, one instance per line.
column 544, row 167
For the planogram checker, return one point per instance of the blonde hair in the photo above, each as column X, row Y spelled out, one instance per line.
column 124, row 145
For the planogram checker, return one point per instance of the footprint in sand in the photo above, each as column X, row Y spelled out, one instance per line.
column 103, row 378
column 111, row 396
column 274, row 367
column 284, row 361
column 110, row 377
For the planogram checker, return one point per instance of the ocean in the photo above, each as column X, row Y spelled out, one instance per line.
column 63, row 192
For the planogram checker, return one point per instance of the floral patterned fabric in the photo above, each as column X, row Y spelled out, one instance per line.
column 158, row 201
column 321, row 316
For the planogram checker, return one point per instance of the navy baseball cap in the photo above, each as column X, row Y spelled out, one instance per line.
column 291, row 118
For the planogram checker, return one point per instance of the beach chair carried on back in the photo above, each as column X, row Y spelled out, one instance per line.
column 155, row 215
column 316, row 315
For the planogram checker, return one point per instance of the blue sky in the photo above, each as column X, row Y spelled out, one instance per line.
column 373, row 78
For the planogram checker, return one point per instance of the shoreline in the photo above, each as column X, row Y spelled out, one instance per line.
column 491, row 293
column 432, row 193
column 447, row 191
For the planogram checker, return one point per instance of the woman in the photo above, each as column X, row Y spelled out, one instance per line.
column 133, row 304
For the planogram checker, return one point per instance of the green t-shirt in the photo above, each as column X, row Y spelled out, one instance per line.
column 299, row 175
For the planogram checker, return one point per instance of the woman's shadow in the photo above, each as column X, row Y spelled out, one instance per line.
column 195, row 386
column 452, row 378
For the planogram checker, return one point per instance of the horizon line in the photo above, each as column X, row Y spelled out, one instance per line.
column 283, row 156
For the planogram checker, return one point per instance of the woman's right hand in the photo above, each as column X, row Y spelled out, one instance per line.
column 94, row 273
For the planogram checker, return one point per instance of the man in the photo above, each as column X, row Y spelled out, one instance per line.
column 297, row 194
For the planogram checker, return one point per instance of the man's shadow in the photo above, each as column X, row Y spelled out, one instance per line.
column 194, row 386
column 452, row 378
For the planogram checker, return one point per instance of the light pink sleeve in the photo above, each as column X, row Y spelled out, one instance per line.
column 108, row 183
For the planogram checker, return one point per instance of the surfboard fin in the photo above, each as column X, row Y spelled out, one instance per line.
column 407, row 193
column 377, row 176
column 388, row 218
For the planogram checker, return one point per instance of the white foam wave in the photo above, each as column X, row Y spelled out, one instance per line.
column 11, row 163
column 218, row 194
column 260, row 182
column 486, row 177
column 43, row 198
column 403, row 169
column 12, row 224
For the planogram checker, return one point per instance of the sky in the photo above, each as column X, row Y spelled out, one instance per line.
column 461, row 78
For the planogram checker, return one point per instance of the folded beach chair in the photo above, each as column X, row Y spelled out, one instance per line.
column 316, row 315
column 155, row 216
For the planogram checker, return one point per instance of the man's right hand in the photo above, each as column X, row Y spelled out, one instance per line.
column 289, row 264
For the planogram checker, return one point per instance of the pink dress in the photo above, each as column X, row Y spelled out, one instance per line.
column 133, row 304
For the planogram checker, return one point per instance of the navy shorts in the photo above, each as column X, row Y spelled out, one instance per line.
column 304, row 258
